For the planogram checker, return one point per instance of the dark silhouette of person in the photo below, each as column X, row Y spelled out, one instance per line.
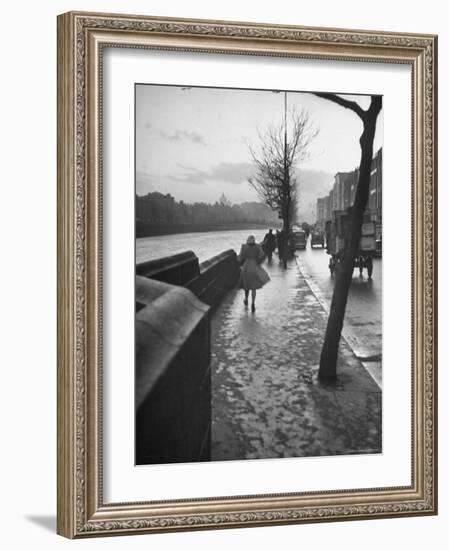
column 269, row 244
column 281, row 244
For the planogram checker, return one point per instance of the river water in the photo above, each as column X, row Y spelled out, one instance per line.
column 204, row 245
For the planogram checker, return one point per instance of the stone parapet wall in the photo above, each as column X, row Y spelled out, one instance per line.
column 209, row 281
column 217, row 276
column 172, row 375
column 177, row 269
column 174, row 297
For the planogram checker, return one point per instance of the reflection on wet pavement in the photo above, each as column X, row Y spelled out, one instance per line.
column 266, row 400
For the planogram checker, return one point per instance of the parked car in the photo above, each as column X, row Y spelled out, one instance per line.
column 299, row 239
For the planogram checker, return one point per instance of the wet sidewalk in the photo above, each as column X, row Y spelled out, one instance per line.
column 266, row 399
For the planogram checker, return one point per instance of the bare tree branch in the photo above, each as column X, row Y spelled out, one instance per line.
column 352, row 105
column 276, row 160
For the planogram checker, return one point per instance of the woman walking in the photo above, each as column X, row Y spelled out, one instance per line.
column 252, row 275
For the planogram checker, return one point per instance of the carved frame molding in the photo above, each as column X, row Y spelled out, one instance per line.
column 81, row 39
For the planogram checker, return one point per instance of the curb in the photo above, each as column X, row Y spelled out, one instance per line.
column 346, row 333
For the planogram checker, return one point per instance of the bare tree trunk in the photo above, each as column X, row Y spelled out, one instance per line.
column 329, row 352
column 286, row 224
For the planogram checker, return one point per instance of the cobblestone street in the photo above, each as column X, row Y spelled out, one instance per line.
column 266, row 399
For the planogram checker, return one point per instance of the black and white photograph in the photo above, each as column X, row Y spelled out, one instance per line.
column 258, row 224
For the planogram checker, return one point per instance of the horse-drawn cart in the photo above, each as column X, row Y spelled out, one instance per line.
column 337, row 240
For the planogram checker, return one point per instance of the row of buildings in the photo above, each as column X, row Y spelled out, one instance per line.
column 342, row 195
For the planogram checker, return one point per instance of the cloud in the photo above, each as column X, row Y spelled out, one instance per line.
column 227, row 172
column 316, row 182
column 312, row 184
column 144, row 182
column 182, row 135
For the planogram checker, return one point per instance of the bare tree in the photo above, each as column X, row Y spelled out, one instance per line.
column 276, row 160
column 329, row 352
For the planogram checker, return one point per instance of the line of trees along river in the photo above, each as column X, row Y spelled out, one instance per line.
column 158, row 214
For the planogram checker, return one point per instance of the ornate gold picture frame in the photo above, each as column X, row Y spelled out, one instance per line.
column 82, row 41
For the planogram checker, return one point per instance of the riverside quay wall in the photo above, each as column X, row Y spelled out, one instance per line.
column 209, row 281
column 174, row 300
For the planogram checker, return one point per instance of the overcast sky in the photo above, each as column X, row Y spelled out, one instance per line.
column 192, row 142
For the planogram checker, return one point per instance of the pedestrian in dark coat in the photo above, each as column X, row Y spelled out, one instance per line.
column 281, row 244
column 269, row 244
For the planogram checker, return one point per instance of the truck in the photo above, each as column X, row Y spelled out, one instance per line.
column 299, row 238
column 317, row 237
